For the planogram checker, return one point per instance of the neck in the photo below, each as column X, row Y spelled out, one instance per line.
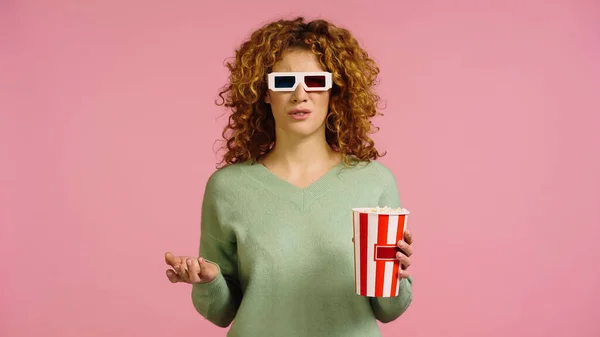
column 302, row 154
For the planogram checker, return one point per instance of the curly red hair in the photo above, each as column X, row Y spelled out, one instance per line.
column 250, row 131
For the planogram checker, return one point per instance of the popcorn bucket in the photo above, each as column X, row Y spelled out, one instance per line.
column 376, row 235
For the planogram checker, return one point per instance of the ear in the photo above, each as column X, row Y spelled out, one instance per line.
column 267, row 98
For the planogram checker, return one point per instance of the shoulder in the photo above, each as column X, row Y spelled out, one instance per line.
column 372, row 171
column 228, row 176
column 380, row 168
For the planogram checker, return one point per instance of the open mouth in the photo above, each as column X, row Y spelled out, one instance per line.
column 299, row 112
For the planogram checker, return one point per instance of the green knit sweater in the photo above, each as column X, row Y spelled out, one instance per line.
column 286, row 253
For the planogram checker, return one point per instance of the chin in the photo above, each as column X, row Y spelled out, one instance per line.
column 305, row 131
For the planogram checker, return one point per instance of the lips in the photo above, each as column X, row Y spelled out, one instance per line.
column 299, row 112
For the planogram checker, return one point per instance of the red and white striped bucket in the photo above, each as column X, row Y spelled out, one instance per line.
column 376, row 235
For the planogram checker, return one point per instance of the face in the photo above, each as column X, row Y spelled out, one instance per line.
column 288, row 124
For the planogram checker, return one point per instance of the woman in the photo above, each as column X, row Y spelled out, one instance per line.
column 276, row 252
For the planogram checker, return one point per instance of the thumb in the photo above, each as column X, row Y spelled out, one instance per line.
column 202, row 261
column 206, row 266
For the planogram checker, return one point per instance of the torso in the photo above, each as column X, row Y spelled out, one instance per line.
column 295, row 251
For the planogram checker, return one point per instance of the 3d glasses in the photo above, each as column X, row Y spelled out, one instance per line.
column 311, row 81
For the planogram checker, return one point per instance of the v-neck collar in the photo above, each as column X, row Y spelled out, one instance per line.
column 302, row 197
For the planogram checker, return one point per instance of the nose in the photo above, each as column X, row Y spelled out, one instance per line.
column 300, row 95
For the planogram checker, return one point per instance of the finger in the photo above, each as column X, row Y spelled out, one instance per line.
column 193, row 270
column 201, row 264
column 172, row 276
column 207, row 269
column 171, row 260
column 403, row 274
column 405, row 248
column 182, row 273
column 204, row 265
column 408, row 237
column 404, row 260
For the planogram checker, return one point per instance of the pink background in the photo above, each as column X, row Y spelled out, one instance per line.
column 107, row 126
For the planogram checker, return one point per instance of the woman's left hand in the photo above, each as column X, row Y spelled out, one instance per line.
column 405, row 253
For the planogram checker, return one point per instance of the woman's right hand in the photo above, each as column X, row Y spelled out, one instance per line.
column 190, row 270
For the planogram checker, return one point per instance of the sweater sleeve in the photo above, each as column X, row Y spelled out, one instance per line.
column 218, row 300
column 387, row 309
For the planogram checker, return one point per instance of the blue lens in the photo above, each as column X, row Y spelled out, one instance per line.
column 285, row 81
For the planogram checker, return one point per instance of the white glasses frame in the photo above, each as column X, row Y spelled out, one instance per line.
column 300, row 79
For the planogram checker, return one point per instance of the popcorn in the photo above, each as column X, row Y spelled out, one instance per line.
column 387, row 209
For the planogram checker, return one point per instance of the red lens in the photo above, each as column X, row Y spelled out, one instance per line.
column 317, row 81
